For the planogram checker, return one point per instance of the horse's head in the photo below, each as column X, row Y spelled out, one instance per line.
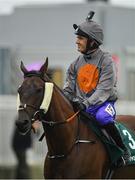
column 31, row 94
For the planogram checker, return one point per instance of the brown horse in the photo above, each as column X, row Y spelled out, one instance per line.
column 74, row 150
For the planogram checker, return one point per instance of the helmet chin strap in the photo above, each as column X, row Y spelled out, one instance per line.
column 90, row 47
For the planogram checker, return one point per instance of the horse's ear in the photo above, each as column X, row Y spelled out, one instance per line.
column 44, row 67
column 23, row 68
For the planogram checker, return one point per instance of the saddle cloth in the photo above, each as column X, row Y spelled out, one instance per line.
column 113, row 150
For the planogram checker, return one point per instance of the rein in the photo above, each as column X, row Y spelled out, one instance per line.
column 53, row 123
column 77, row 141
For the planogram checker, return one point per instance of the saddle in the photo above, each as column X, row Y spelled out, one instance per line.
column 113, row 150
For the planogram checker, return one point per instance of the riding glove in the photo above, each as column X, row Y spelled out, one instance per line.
column 78, row 104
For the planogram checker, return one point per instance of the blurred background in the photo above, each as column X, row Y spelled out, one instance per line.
column 30, row 31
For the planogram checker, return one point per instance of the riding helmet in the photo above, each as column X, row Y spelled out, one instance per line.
column 90, row 29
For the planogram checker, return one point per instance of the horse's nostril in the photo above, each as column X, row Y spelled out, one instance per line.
column 21, row 123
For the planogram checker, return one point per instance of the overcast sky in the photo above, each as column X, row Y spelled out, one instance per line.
column 6, row 6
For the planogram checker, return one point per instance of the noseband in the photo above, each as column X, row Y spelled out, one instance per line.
column 34, row 117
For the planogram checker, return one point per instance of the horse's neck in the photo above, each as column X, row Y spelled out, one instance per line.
column 60, row 137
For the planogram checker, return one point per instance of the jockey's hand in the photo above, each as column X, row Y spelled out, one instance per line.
column 77, row 104
column 36, row 126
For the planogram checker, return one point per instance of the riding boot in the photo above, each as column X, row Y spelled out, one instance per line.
column 112, row 130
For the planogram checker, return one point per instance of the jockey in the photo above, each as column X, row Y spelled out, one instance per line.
column 91, row 80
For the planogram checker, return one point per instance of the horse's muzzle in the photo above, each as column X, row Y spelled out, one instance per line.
column 23, row 122
column 24, row 126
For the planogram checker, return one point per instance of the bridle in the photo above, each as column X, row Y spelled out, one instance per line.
column 40, row 112
column 37, row 111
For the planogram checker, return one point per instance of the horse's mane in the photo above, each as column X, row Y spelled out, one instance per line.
column 61, row 91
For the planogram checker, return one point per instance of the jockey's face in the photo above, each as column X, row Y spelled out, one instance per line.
column 81, row 42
